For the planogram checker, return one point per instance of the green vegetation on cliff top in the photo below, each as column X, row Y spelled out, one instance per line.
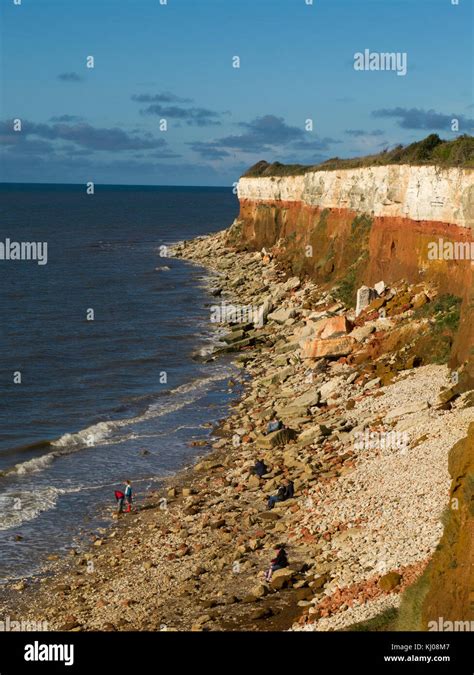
column 432, row 150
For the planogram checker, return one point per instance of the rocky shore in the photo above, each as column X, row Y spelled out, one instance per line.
column 366, row 423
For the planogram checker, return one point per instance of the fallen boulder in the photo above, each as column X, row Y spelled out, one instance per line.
column 308, row 399
column 336, row 325
column 283, row 314
column 365, row 295
column 310, row 435
column 276, row 438
column 281, row 578
column 330, row 348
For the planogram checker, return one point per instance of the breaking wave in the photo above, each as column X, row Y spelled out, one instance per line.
column 105, row 433
column 19, row 506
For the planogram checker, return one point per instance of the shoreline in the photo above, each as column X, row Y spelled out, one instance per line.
column 201, row 380
column 192, row 558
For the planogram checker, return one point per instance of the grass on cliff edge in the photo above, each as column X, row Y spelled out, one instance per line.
column 432, row 150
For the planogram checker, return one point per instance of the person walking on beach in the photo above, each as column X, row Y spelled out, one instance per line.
column 128, row 496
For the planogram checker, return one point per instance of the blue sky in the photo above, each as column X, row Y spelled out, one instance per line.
column 174, row 62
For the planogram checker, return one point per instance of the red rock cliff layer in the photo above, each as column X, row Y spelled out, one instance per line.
column 334, row 245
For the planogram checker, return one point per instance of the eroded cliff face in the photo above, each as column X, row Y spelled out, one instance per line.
column 453, row 564
column 444, row 592
column 424, row 193
column 355, row 226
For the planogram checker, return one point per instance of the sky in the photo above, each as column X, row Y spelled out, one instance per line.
column 164, row 103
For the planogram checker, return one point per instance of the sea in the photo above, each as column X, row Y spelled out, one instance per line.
column 105, row 367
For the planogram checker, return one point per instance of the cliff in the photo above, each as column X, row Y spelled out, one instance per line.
column 353, row 226
column 418, row 193
column 452, row 566
column 444, row 592
column 349, row 223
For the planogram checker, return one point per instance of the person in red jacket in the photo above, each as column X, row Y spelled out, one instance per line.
column 119, row 496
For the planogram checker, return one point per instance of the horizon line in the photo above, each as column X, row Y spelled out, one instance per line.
column 126, row 185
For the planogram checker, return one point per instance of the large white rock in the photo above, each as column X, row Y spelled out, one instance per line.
column 281, row 315
column 292, row 284
column 380, row 287
column 329, row 388
column 362, row 333
column 365, row 295
column 263, row 312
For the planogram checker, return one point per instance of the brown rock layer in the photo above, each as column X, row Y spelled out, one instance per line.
column 341, row 246
column 452, row 570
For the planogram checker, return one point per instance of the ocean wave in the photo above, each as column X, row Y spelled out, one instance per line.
column 27, row 447
column 212, row 342
column 106, row 433
column 86, row 437
column 198, row 383
column 19, row 506
column 67, row 443
column 33, row 465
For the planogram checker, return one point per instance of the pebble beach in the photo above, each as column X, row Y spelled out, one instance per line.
column 365, row 432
